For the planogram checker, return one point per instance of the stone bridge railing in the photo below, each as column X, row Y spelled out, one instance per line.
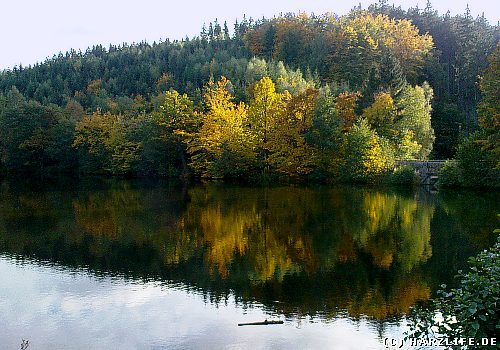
column 428, row 171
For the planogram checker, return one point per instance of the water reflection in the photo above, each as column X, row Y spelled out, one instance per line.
column 321, row 251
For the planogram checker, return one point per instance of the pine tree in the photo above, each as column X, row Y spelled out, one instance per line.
column 210, row 32
column 226, row 32
column 204, row 34
column 392, row 78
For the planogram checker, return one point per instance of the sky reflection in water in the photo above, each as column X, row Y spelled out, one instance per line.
column 58, row 309
column 133, row 265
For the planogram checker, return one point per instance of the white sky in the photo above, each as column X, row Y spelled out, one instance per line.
column 31, row 30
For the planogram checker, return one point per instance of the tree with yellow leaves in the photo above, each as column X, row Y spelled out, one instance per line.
column 266, row 107
column 400, row 36
column 223, row 147
column 345, row 105
column 367, row 154
column 290, row 154
column 414, row 114
column 381, row 116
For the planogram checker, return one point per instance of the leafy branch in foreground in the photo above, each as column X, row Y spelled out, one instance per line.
column 472, row 310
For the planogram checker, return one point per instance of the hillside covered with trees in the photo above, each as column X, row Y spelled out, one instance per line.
column 295, row 96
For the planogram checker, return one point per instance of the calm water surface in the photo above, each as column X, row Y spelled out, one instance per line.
column 156, row 265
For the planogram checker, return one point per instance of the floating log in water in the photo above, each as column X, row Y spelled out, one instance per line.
column 265, row 323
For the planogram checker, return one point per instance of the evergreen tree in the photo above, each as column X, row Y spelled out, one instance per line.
column 226, row 32
column 392, row 78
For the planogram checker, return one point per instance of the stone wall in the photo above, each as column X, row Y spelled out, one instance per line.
column 428, row 171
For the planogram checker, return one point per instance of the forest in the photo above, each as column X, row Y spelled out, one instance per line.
column 296, row 97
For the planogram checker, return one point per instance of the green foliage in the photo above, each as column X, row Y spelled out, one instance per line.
column 176, row 122
column 34, row 137
column 462, row 44
column 367, row 155
column 414, row 105
column 469, row 311
column 105, row 143
column 401, row 124
column 474, row 166
column 366, row 65
column 477, row 156
column 325, row 135
column 223, row 145
column 378, row 50
column 477, row 165
column 489, row 108
column 392, row 77
column 450, row 174
column 158, row 156
column 381, row 114
column 278, row 134
column 404, row 175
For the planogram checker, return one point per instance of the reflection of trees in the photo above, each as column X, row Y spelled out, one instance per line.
column 289, row 229
column 246, row 222
column 282, row 232
column 403, row 294
column 468, row 209
column 312, row 249
column 146, row 219
column 397, row 230
column 115, row 222
column 461, row 216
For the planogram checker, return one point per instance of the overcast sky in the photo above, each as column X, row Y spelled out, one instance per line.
column 31, row 30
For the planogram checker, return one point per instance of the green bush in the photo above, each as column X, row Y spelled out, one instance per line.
column 404, row 175
column 477, row 165
column 474, row 166
column 470, row 311
column 450, row 174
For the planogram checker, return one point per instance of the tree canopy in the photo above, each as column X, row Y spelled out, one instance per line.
column 279, row 96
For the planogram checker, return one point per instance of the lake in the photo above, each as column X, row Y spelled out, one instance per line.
column 134, row 264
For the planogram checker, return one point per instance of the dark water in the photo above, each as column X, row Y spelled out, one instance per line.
column 156, row 265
